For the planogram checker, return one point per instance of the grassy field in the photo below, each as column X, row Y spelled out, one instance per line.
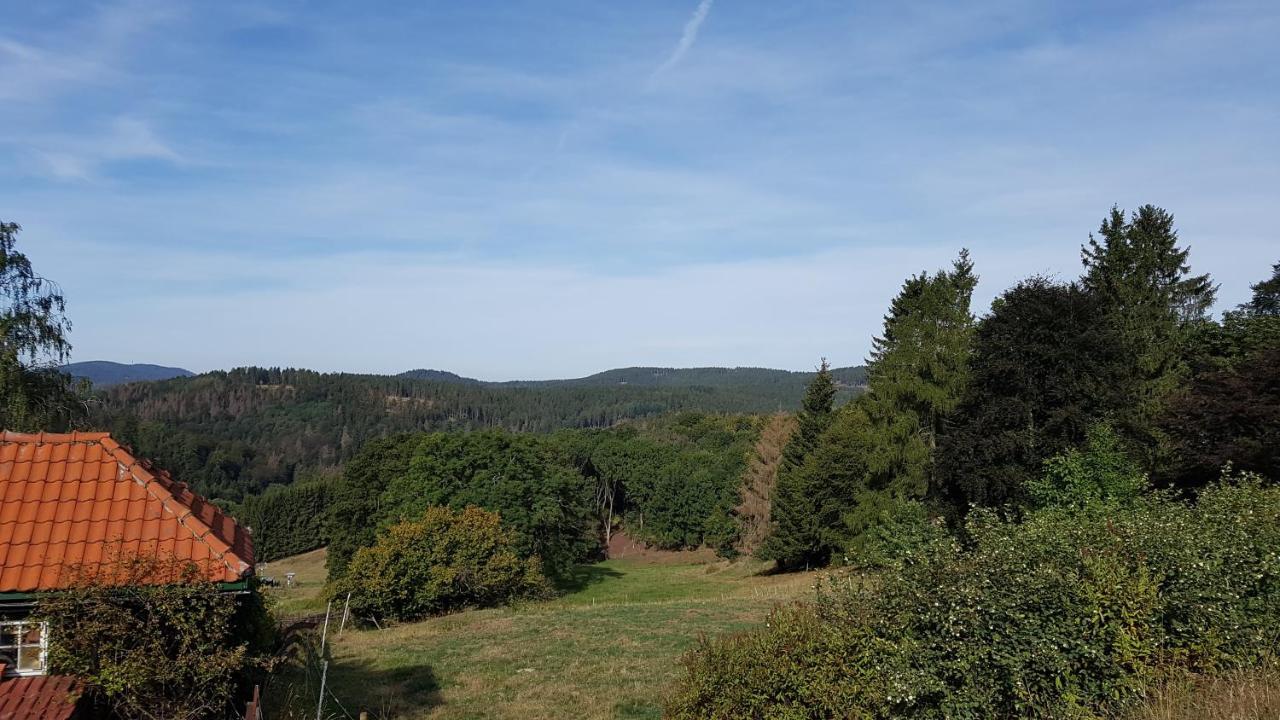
column 305, row 595
column 608, row 648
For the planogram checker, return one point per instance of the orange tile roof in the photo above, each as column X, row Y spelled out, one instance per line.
column 70, row 499
column 43, row 697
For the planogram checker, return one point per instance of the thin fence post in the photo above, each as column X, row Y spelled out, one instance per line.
column 324, row 673
column 346, row 607
column 324, row 634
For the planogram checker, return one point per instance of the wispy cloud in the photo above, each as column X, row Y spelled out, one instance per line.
column 89, row 51
column 81, row 157
column 687, row 38
column 810, row 157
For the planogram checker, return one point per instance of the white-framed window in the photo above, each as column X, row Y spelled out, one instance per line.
column 24, row 647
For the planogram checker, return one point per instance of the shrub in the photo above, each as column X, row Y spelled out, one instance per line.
column 1102, row 472
column 891, row 532
column 446, row 560
column 152, row 638
column 1076, row 612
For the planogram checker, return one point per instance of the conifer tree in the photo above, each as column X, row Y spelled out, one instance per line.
column 1143, row 280
column 1266, row 296
column 795, row 538
column 917, row 372
column 813, row 418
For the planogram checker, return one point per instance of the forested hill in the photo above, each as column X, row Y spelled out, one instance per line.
column 782, row 386
column 231, row 433
column 103, row 372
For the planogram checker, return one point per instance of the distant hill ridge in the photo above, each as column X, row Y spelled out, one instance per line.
column 232, row 432
column 104, row 373
column 661, row 377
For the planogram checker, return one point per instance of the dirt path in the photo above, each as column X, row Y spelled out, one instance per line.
column 622, row 545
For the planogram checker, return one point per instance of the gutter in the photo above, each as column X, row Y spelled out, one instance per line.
column 239, row 587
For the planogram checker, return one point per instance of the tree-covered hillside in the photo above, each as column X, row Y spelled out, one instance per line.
column 103, row 373
column 787, row 384
column 782, row 386
column 234, row 433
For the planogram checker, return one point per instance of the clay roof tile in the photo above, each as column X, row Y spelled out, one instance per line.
column 68, row 497
column 45, row 697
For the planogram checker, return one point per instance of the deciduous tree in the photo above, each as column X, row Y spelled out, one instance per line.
column 34, row 394
column 1045, row 367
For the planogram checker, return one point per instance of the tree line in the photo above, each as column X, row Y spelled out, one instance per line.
column 1055, row 509
column 674, row 482
column 964, row 411
column 233, row 434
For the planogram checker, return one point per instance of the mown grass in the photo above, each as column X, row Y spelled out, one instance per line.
column 608, row 648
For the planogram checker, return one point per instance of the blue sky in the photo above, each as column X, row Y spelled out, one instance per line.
column 546, row 189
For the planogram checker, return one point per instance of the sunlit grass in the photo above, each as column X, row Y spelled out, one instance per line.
column 305, row 597
column 608, row 648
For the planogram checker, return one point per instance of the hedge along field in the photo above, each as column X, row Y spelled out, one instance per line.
column 1077, row 612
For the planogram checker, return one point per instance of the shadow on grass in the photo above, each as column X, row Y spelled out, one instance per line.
column 774, row 569
column 582, row 577
column 637, row 711
column 351, row 687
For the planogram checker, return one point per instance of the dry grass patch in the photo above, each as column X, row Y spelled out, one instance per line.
column 1239, row 696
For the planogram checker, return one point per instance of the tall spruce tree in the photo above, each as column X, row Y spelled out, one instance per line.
column 1143, row 280
column 812, row 420
column 796, row 536
column 917, row 373
column 1266, row 296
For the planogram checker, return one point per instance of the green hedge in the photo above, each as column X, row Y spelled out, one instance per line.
column 1076, row 612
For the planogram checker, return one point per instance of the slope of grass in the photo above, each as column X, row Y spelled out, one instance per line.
column 308, row 582
column 608, row 648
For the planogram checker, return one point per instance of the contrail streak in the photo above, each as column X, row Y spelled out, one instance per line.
column 687, row 39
